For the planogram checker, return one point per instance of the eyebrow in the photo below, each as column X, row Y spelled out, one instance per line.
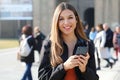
column 68, row 16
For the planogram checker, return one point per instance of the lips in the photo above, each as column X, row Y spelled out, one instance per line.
column 67, row 28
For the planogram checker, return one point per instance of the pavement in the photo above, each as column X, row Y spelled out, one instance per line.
column 108, row 73
column 13, row 69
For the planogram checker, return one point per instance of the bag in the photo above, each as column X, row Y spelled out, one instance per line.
column 18, row 56
column 25, row 49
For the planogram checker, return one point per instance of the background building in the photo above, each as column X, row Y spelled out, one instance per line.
column 107, row 11
column 16, row 13
column 13, row 15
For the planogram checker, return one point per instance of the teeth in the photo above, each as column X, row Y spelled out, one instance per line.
column 67, row 27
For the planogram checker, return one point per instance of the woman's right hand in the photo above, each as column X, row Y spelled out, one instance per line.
column 71, row 62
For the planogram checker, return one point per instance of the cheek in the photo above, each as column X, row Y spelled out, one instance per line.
column 59, row 25
column 75, row 24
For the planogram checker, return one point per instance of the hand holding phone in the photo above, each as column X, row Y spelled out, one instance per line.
column 81, row 50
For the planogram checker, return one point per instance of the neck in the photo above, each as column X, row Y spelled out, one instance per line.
column 68, row 39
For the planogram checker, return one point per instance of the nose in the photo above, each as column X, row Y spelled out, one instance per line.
column 66, row 21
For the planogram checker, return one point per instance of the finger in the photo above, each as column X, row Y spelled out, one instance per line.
column 81, row 64
column 88, row 56
column 85, row 57
column 83, row 61
column 74, row 63
column 75, row 56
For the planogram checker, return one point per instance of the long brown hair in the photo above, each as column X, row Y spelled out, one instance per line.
column 56, row 39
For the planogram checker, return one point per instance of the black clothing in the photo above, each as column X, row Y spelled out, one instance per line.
column 47, row 72
column 39, row 40
column 109, row 38
column 87, row 31
column 30, row 57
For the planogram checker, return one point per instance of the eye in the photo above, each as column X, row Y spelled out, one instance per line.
column 70, row 17
column 60, row 19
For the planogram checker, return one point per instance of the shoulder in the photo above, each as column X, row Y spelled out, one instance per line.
column 46, row 43
column 31, row 38
column 91, row 32
column 102, row 32
column 109, row 30
column 42, row 35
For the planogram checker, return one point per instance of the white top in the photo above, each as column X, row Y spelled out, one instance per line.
column 100, row 39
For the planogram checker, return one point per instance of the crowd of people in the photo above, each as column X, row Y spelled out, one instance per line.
column 35, row 41
column 105, row 39
column 58, row 52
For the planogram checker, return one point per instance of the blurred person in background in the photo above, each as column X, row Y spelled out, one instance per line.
column 59, row 59
column 86, row 28
column 39, row 37
column 99, row 41
column 109, row 41
column 116, row 41
column 92, row 34
column 28, row 60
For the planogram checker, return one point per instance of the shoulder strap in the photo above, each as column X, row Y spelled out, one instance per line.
column 29, row 37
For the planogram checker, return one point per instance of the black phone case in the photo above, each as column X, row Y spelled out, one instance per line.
column 81, row 50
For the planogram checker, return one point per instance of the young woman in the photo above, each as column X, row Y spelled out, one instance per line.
column 27, row 32
column 58, row 55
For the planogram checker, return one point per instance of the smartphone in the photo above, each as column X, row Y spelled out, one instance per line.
column 81, row 50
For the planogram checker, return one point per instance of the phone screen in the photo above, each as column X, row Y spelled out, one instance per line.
column 81, row 50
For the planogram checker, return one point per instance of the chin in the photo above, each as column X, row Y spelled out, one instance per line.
column 67, row 33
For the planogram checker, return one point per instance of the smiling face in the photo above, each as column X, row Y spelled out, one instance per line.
column 67, row 22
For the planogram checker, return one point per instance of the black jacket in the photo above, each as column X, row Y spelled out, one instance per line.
column 109, row 38
column 39, row 40
column 30, row 57
column 46, row 72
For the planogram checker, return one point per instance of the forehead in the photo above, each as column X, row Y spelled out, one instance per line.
column 67, row 12
column 105, row 25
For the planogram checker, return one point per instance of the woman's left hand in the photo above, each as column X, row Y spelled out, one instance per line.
column 83, row 60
